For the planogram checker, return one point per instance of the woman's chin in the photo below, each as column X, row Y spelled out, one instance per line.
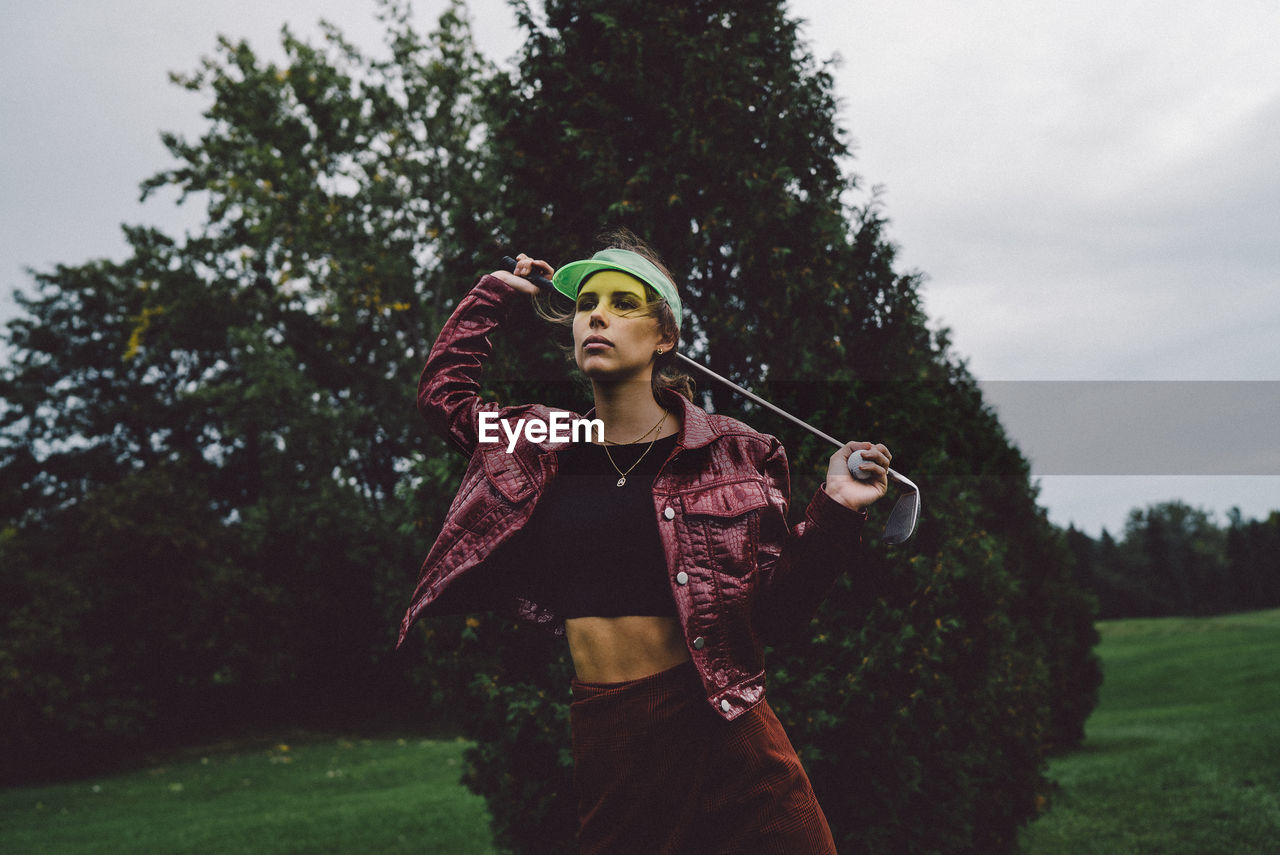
column 597, row 364
column 598, row 371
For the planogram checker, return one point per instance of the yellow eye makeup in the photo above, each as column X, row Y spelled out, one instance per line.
column 622, row 293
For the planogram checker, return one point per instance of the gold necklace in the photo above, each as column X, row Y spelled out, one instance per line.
column 622, row 479
column 641, row 436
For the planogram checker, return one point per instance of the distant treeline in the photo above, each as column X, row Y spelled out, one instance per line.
column 1173, row 559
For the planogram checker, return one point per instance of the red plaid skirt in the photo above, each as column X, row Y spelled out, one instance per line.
column 657, row 771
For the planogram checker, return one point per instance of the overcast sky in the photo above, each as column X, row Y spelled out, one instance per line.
column 1092, row 190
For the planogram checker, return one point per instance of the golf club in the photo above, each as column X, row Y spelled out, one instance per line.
column 905, row 516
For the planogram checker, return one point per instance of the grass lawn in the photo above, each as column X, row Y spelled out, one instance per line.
column 313, row 796
column 1183, row 752
column 1182, row 758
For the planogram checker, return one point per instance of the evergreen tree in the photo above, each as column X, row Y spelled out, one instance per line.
column 1174, row 560
column 709, row 129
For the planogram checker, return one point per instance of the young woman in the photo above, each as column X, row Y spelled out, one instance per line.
column 663, row 554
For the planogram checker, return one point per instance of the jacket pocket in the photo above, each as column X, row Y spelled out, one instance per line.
column 725, row 522
column 506, row 474
column 474, row 507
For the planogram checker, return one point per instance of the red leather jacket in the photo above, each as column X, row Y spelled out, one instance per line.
column 739, row 574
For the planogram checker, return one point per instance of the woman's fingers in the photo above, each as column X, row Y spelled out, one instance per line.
column 867, row 460
column 861, row 484
column 525, row 266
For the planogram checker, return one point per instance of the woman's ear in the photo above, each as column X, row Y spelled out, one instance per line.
column 668, row 339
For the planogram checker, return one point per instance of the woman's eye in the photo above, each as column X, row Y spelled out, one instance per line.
column 627, row 303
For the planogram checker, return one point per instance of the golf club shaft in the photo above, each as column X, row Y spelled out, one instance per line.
column 545, row 284
column 761, row 401
column 775, row 409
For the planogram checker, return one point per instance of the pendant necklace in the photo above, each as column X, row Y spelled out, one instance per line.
column 622, row 476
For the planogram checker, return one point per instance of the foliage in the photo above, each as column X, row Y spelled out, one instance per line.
column 211, row 443
column 1172, row 559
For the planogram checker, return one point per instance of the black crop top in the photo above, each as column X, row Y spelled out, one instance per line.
column 595, row 545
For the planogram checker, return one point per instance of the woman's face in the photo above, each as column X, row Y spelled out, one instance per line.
column 614, row 337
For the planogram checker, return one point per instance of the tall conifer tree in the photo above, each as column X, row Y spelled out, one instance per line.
column 710, row 129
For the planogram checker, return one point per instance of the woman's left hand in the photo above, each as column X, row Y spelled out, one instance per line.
column 855, row 493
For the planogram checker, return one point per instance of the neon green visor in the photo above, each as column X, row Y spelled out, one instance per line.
column 568, row 279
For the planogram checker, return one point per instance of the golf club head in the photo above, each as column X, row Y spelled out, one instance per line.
column 903, row 519
column 905, row 515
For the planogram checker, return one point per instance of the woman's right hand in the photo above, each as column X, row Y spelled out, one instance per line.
column 524, row 266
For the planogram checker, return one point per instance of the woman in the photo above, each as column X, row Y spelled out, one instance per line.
column 663, row 555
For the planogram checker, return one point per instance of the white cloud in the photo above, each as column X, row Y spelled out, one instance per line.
column 1087, row 185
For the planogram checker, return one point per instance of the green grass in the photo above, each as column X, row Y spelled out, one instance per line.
column 1182, row 758
column 1182, row 755
column 312, row 796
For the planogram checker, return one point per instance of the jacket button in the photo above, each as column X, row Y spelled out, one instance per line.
column 669, row 513
column 682, row 578
column 725, row 705
column 699, row 643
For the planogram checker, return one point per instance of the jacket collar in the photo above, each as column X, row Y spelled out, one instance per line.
column 697, row 430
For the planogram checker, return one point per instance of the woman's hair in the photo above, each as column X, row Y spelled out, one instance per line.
column 666, row 372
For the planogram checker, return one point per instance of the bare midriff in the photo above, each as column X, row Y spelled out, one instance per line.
column 616, row 649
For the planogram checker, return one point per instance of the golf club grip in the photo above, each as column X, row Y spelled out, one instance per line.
column 542, row 282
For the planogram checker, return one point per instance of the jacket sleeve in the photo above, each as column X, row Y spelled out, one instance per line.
column 448, row 391
column 798, row 565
